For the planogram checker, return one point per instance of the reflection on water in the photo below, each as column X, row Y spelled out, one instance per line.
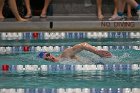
column 71, row 80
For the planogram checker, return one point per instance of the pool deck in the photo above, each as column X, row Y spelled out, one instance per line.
column 69, row 23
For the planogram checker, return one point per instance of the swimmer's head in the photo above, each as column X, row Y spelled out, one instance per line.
column 47, row 56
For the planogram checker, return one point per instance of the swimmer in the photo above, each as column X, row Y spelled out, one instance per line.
column 72, row 51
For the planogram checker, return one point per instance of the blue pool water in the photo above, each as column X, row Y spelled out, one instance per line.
column 96, row 79
column 119, row 57
column 123, row 46
column 72, row 80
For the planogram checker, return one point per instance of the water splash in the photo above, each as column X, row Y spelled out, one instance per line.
column 119, row 57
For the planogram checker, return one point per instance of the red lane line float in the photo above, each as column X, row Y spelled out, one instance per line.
column 5, row 67
column 26, row 48
column 35, row 35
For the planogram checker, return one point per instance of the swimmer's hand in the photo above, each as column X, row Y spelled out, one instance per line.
column 103, row 53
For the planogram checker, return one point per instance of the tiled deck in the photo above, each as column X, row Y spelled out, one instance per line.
column 69, row 23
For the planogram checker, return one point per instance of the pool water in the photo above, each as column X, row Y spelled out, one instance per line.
column 91, row 79
column 96, row 79
column 129, row 56
column 125, row 51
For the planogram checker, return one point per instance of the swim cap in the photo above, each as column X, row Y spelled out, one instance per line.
column 42, row 54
